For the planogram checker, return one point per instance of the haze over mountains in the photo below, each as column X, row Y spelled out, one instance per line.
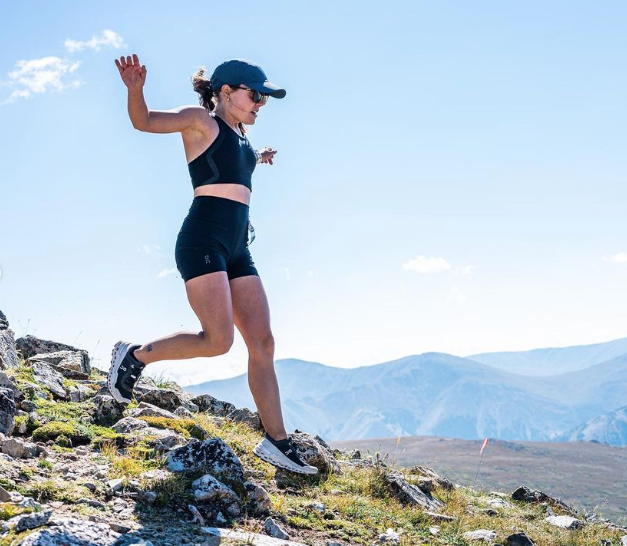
column 445, row 395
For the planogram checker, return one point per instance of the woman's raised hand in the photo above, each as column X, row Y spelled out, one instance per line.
column 133, row 74
column 267, row 155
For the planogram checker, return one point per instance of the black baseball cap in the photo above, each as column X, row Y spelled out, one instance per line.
column 243, row 71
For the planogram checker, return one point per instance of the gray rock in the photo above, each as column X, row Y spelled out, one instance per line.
column 244, row 415
column 8, row 351
column 274, row 530
column 209, row 404
column 212, row 455
column 519, row 539
column 167, row 399
column 48, row 377
column 4, row 323
column 258, row 499
column 623, row 541
column 71, row 363
column 408, row 493
column 80, row 393
column 429, row 479
column 72, row 532
column 524, row 494
column 29, row 521
column 5, row 496
column 7, row 382
column 106, row 409
column 565, row 522
column 7, row 411
column 182, row 411
column 144, row 409
column 127, row 424
column 315, row 453
column 208, row 488
column 18, row 448
column 30, row 346
column 484, row 535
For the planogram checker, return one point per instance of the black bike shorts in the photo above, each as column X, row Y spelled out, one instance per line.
column 214, row 237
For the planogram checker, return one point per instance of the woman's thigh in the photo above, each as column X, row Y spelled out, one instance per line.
column 210, row 297
column 251, row 312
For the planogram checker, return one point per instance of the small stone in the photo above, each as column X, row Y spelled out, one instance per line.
column 273, row 529
column 389, row 537
column 115, row 485
column 565, row 522
column 480, row 534
column 519, row 539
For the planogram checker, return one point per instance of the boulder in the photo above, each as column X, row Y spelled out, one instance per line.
column 167, row 399
column 30, row 346
column 48, row 377
column 106, row 409
column 7, row 411
column 208, row 488
column 524, row 494
column 8, row 350
column 408, row 493
column 73, row 364
column 144, row 409
column 212, row 455
column 244, row 415
column 72, row 532
column 209, row 404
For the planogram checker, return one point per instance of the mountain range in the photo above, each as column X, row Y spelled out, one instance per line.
column 445, row 395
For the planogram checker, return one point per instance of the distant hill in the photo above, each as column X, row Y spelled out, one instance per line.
column 435, row 394
column 553, row 361
column 610, row 428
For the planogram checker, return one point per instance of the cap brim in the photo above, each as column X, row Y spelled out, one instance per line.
column 269, row 88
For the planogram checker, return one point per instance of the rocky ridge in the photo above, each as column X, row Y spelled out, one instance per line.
column 77, row 468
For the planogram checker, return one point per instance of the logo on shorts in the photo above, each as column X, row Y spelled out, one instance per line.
column 207, row 260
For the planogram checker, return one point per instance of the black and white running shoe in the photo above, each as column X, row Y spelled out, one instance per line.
column 124, row 372
column 282, row 453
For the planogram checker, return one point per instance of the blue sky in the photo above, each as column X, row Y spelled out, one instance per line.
column 450, row 176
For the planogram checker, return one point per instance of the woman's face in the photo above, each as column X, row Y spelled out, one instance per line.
column 242, row 106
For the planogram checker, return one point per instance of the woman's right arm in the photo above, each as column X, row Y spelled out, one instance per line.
column 133, row 75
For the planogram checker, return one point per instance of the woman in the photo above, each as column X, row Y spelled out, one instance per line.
column 222, row 283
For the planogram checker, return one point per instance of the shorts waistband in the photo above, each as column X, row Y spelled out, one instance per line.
column 202, row 199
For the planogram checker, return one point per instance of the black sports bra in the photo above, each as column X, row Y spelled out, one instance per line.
column 230, row 159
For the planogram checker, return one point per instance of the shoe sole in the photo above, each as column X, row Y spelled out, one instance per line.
column 269, row 453
column 117, row 356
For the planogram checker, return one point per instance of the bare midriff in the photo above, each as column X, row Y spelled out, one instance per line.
column 236, row 192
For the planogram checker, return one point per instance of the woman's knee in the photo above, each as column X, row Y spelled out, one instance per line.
column 217, row 343
column 262, row 346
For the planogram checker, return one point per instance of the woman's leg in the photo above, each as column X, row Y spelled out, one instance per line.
column 251, row 315
column 210, row 298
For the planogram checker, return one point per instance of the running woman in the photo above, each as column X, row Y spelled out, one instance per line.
column 212, row 255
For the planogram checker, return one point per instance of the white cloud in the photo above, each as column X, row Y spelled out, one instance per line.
column 620, row 258
column 422, row 264
column 166, row 272
column 33, row 76
column 42, row 75
column 106, row 39
column 455, row 294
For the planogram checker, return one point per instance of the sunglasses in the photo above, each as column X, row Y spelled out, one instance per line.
column 255, row 96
